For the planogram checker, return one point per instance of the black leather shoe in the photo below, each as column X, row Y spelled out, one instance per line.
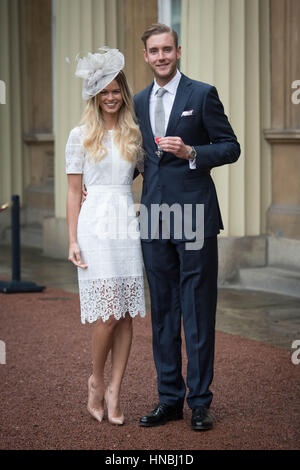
column 161, row 415
column 201, row 419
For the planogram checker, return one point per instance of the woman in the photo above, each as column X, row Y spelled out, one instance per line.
column 104, row 241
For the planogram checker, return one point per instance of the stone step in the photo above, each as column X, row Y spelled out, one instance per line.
column 31, row 235
column 269, row 279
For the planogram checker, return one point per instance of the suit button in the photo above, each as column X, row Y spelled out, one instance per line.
column 158, row 186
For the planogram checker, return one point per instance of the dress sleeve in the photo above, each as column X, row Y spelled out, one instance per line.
column 74, row 152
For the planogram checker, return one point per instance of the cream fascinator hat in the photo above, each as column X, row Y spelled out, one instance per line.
column 98, row 70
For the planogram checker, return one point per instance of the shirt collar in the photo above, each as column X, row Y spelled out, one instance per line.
column 171, row 86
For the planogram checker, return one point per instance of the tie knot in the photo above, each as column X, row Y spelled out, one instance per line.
column 160, row 92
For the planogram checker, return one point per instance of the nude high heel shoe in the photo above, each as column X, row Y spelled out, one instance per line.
column 94, row 412
column 119, row 420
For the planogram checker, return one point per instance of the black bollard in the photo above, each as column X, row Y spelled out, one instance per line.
column 15, row 238
column 16, row 285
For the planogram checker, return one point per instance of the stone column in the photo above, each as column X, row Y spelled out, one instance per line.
column 11, row 164
column 225, row 43
column 138, row 14
column 80, row 26
column 284, row 134
column 37, row 112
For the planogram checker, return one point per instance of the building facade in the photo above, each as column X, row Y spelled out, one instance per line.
column 246, row 48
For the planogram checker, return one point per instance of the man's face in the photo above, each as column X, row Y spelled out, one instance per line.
column 162, row 55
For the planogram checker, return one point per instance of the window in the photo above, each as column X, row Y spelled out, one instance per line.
column 176, row 17
column 169, row 13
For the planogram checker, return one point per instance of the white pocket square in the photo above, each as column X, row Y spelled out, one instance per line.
column 188, row 113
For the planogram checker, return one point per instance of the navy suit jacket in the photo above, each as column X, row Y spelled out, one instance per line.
column 169, row 179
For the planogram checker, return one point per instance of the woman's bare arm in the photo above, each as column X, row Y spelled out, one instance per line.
column 73, row 209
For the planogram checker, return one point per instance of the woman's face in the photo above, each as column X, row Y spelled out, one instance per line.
column 110, row 99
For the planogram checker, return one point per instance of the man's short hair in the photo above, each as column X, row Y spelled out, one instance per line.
column 159, row 28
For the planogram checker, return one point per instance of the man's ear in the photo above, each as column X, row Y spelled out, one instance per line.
column 145, row 55
column 178, row 54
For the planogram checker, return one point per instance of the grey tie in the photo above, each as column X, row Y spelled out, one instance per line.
column 159, row 113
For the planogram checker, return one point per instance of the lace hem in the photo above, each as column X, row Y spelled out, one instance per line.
column 101, row 298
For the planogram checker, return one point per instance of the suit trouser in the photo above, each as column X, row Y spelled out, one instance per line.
column 183, row 282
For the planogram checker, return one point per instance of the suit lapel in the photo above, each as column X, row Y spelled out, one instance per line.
column 146, row 106
column 147, row 115
column 182, row 95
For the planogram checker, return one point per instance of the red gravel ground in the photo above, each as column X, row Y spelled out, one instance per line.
column 44, row 387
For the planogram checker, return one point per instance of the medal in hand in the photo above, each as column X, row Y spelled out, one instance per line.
column 159, row 151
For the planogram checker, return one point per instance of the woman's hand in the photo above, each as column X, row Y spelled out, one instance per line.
column 84, row 194
column 74, row 255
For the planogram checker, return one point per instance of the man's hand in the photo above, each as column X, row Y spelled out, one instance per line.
column 176, row 146
column 84, row 194
column 74, row 256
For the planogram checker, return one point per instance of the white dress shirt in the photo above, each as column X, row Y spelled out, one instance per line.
column 168, row 100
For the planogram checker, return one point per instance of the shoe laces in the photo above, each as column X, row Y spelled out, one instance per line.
column 160, row 407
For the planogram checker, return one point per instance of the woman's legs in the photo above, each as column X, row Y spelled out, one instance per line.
column 102, row 337
column 114, row 335
column 121, row 344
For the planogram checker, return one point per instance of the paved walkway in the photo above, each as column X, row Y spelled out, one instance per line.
column 43, row 383
column 272, row 319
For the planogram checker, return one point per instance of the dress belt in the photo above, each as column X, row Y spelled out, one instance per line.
column 109, row 188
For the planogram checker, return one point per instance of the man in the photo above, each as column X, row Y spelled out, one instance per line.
column 195, row 136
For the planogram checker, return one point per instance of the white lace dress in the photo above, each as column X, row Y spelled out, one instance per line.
column 107, row 234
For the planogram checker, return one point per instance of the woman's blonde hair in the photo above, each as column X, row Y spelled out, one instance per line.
column 127, row 137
